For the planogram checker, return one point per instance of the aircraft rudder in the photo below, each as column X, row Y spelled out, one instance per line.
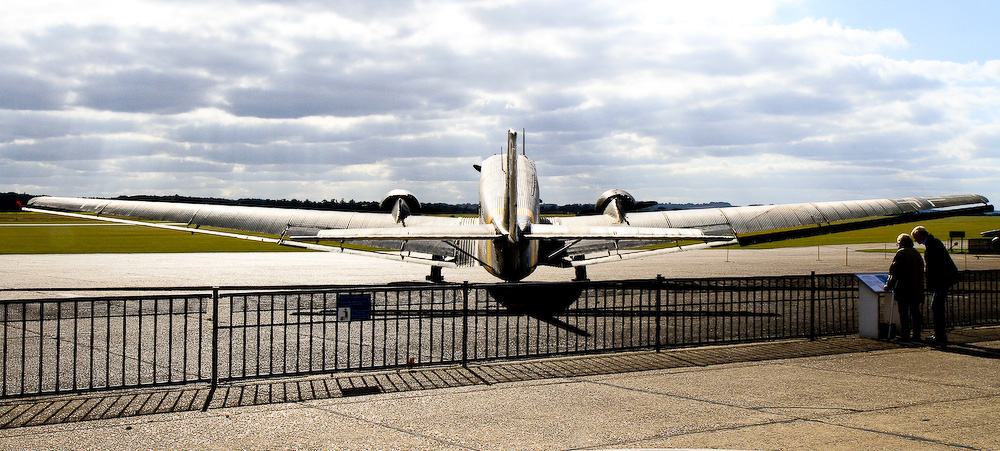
column 510, row 198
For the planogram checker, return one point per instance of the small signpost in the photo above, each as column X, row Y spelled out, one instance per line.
column 354, row 307
column 960, row 236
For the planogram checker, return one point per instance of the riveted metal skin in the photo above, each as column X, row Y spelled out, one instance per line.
column 755, row 219
column 272, row 221
column 508, row 199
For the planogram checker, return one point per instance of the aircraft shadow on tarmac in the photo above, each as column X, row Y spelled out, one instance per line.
column 545, row 303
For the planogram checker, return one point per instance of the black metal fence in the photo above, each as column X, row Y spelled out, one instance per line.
column 64, row 345
column 84, row 344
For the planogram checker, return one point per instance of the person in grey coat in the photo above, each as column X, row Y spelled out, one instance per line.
column 941, row 274
column 906, row 281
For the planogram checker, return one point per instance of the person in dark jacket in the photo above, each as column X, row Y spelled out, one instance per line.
column 941, row 273
column 906, row 280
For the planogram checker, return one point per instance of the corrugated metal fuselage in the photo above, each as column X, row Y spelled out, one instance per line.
column 511, row 258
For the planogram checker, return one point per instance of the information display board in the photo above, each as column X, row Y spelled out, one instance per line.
column 877, row 316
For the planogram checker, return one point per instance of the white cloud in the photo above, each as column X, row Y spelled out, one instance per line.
column 691, row 101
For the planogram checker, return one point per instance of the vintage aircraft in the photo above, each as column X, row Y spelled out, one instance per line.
column 994, row 236
column 510, row 238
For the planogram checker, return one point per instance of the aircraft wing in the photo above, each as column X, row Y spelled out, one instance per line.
column 444, row 232
column 439, row 241
column 754, row 224
column 583, row 232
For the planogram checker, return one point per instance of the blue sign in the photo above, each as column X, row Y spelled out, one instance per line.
column 354, row 307
column 874, row 281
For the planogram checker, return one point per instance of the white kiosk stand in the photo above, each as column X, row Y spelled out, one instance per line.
column 876, row 311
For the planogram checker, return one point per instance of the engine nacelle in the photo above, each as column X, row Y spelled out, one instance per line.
column 401, row 203
column 623, row 197
column 615, row 203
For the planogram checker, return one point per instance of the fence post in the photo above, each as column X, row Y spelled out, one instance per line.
column 657, row 285
column 812, row 305
column 465, row 324
column 215, row 349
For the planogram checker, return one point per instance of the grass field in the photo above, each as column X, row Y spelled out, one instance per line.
column 37, row 233
column 971, row 225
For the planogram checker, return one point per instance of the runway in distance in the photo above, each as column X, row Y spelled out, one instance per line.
column 510, row 238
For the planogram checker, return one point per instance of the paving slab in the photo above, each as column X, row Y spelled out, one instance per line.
column 790, row 435
column 280, row 426
column 557, row 414
column 795, row 391
column 970, row 422
column 949, row 369
column 693, row 398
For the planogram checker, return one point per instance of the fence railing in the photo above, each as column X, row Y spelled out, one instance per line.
column 112, row 342
column 63, row 345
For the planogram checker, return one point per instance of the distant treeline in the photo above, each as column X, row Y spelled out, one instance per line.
column 327, row 204
column 8, row 202
column 331, row 204
column 688, row 206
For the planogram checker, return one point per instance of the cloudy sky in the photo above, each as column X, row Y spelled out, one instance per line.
column 738, row 101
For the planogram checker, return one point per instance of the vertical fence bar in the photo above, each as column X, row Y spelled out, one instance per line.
column 385, row 328
column 58, row 344
column 107, row 341
column 657, row 286
column 3, row 379
column 257, row 336
column 90, row 367
column 309, row 317
column 24, row 344
column 76, row 342
column 465, row 324
column 298, row 333
column 124, row 334
column 215, row 349
column 201, row 336
column 271, row 324
column 326, row 313
column 812, row 305
column 371, row 325
column 336, row 334
column 138, row 348
column 41, row 343
column 184, row 335
column 398, row 315
column 244, row 324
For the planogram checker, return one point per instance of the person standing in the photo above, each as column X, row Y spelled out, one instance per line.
column 941, row 273
column 906, row 281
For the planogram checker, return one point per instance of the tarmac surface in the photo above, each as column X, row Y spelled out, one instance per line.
column 322, row 268
column 837, row 393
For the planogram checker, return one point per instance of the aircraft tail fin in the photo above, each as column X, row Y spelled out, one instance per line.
column 510, row 195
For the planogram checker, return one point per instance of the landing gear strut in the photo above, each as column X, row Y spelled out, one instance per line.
column 435, row 275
